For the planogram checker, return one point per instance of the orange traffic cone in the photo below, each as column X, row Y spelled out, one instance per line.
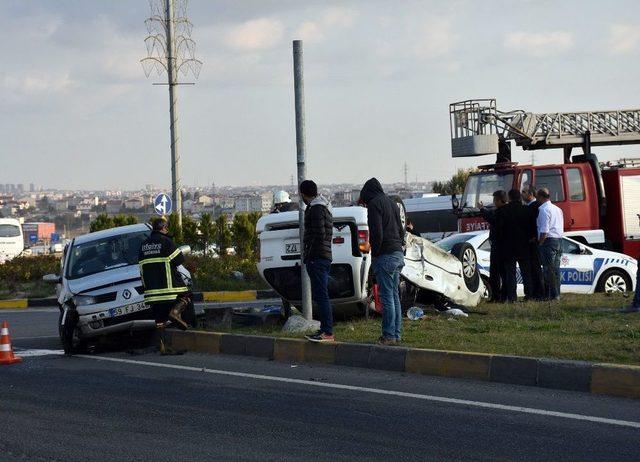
column 6, row 351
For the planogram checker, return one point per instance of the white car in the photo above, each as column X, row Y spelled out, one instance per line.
column 430, row 275
column 583, row 269
column 99, row 289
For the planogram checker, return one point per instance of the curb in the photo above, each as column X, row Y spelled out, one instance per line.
column 608, row 379
column 221, row 296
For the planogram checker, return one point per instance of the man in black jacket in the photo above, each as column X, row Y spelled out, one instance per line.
column 537, row 291
column 164, row 289
column 495, row 261
column 318, row 235
column 386, row 236
column 512, row 228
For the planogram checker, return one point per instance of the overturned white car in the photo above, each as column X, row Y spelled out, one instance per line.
column 430, row 276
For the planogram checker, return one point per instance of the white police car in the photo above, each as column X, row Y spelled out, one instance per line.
column 99, row 288
column 583, row 269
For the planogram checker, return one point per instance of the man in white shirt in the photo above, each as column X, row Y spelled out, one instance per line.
column 550, row 229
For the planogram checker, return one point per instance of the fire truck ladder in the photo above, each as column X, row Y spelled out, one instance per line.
column 478, row 128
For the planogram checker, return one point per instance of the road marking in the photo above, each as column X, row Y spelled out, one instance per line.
column 36, row 353
column 378, row 391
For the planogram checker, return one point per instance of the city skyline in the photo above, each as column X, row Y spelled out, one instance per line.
column 79, row 113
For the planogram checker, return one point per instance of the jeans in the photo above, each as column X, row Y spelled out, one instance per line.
column 550, row 255
column 537, row 290
column 318, row 271
column 387, row 270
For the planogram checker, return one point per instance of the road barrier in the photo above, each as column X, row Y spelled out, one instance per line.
column 609, row 379
column 6, row 350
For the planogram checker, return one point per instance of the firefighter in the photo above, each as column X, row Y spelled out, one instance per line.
column 282, row 202
column 164, row 289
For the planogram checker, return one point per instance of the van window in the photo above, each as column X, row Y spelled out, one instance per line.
column 525, row 179
column 576, row 188
column 551, row 178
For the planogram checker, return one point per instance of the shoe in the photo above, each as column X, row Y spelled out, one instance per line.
column 630, row 309
column 321, row 337
column 386, row 341
column 175, row 316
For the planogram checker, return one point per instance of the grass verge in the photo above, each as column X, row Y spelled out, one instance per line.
column 579, row 327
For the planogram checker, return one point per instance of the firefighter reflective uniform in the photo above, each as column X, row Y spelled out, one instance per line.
column 164, row 289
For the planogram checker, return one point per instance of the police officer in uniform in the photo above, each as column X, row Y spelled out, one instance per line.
column 164, row 289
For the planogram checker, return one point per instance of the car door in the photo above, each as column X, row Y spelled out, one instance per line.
column 576, row 268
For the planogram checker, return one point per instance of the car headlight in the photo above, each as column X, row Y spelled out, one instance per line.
column 84, row 300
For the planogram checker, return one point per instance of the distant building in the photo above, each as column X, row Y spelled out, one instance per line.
column 113, row 206
column 205, row 201
column 41, row 230
column 134, row 203
column 254, row 203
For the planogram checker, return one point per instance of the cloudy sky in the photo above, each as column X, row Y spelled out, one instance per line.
column 76, row 110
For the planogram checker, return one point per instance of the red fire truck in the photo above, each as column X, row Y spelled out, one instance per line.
column 600, row 201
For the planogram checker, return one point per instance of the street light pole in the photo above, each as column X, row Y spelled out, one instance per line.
column 176, row 190
column 298, row 86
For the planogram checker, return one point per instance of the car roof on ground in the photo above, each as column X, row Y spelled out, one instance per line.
column 354, row 212
column 111, row 232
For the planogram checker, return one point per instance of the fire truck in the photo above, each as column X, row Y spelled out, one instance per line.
column 600, row 201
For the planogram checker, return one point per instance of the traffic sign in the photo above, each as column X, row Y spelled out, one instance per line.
column 55, row 237
column 162, row 204
column 33, row 238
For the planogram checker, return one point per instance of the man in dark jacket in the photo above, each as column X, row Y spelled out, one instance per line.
column 537, row 291
column 512, row 228
column 495, row 262
column 318, row 235
column 386, row 236
column 164, row 289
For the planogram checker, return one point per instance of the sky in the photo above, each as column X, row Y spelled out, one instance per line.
column 76, row 111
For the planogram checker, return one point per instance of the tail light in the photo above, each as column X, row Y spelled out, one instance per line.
column 338, row 240
column 363, row 240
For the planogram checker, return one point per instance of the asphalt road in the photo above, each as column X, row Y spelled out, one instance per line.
column 119, row 406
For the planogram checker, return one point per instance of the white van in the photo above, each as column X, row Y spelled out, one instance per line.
column 11, row 239
column 280, row 248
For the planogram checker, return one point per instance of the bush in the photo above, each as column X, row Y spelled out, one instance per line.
column 21, row 271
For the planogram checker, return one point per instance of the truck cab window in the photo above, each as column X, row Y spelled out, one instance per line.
column 551, row 178
column 576, row 188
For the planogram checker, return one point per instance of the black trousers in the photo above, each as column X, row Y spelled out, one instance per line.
column 535, row 289
column 508, row 274
column 161, row 310
column 495, row 281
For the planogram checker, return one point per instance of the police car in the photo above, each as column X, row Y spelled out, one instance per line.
column 583, row 269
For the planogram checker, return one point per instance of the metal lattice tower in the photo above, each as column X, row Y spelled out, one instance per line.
column 476, row 126
column 170, row 50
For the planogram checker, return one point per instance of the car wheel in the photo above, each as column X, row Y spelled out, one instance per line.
column 465, row 252
column 67, row 331
column 614, row 281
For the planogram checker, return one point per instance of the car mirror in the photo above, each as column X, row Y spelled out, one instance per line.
column 52, row 278
column 455, row 202
column 185, row 249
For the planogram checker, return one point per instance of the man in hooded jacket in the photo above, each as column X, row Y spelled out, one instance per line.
column 386, row 236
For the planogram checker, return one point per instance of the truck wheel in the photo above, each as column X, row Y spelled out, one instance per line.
column 68, row 335
column 614, row 281
column 465, row 252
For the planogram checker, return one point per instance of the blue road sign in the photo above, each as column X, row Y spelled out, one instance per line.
column 162, row 204
column 55, row 237
column 33, row 238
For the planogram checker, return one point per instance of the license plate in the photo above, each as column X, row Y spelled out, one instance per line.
column 127, row 309
column 292, row 248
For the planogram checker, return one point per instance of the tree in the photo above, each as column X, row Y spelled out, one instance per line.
column 190, row 232
column 102, row 221
column 174, row 229
column 207, row 231
column 455, row 185
column 122, row 220
column 223, row 237
column 244, row 234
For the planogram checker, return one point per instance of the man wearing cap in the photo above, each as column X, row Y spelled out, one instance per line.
column 282, row 203
column 164, row 289
column 550, row 229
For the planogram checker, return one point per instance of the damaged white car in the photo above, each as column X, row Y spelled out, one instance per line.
column 431, row 276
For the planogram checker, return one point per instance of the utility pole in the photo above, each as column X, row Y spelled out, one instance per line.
column 170, row 49
column 406, row 173
column 298, row 87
